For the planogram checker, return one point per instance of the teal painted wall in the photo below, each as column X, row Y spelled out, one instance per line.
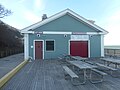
column 61, row 45
column 65, row 23
column 95, row 46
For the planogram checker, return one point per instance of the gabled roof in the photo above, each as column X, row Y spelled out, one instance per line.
column 60, row 14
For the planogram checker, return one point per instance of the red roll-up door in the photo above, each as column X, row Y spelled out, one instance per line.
column 79, row 48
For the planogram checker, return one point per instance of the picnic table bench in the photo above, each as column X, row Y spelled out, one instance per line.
column 65, row 57
column 107, row 67
column 78, row 58
column 100, row 73
column 111, row 60
column 69, row 72
column 86, row 66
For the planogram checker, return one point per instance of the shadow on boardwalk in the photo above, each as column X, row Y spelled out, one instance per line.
column 48, row 75
column 10, row 62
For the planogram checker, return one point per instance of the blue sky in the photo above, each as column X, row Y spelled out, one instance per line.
column 105, row 13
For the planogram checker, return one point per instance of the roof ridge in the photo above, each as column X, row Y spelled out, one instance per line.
column 61, row 13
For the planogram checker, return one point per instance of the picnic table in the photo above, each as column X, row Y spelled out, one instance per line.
column 78, row 58
column 108, row 61
column 83, row 66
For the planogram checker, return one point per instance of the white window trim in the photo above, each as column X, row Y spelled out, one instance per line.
column 54, row 45
column 34, row 48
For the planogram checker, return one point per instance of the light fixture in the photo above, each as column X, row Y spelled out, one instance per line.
column 38, row 35
column 65, row 35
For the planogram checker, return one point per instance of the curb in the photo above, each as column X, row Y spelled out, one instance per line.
column 10, row 74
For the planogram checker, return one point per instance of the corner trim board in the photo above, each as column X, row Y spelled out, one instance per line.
column 102, row 45
column 26, row 46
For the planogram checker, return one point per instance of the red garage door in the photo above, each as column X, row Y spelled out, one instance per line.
column 79, row 48
column 38, row 50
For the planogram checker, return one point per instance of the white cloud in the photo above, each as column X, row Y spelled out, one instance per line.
column 113, row 26
column 116, row 16
column 39, row 5
column 30, row 16
column 21, row 1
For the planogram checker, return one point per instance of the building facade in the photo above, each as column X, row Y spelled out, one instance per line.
column 63, row 33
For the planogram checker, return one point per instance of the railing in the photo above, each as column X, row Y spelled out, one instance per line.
column 112, row 52
column 8, row 52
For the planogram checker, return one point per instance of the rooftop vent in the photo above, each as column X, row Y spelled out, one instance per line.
column 44, row 17
column 91, row 21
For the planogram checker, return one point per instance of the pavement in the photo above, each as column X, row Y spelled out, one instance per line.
column 9, row 63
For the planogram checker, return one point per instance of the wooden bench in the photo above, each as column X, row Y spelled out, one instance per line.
column 69, row 72
column 90, row 62
column 107, row 67
column 65, row 57
column 102, row 65
column 100, row 73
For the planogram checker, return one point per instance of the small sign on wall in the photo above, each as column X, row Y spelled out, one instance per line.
column 31, row 46
column 79, row 37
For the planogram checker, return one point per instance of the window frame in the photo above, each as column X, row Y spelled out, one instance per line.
column 46, row 45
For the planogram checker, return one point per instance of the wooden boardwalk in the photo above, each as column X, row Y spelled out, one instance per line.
column 48, row 75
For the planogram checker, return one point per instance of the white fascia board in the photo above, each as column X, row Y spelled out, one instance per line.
column 94, row 33
column 86, row 21
column 55, row 32
column 27, row 32
column 45, row 21
column 52, row 32
column 59, row 15
column 88, row 33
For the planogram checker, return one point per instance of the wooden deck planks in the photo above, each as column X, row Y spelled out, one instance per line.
column 49, row 75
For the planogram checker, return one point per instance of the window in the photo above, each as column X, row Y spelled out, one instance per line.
column 49, row 45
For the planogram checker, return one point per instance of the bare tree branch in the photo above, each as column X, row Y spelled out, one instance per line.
column 4, row 12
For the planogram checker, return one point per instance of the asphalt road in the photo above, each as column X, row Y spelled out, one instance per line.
column 9, row 63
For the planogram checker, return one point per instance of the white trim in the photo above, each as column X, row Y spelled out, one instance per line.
column 74, row 33
column 54, row 45
column 89, row 48
column 69, row 47
column 80, row 40
column 94, row 33
column 26, row 46
column 45, row 21
column 102, row 45
column 58, row 32
column 86, row 21
column 79, row 37
column 60, row 14
column 34, row 48
column 53, row 32
column 27, row 32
